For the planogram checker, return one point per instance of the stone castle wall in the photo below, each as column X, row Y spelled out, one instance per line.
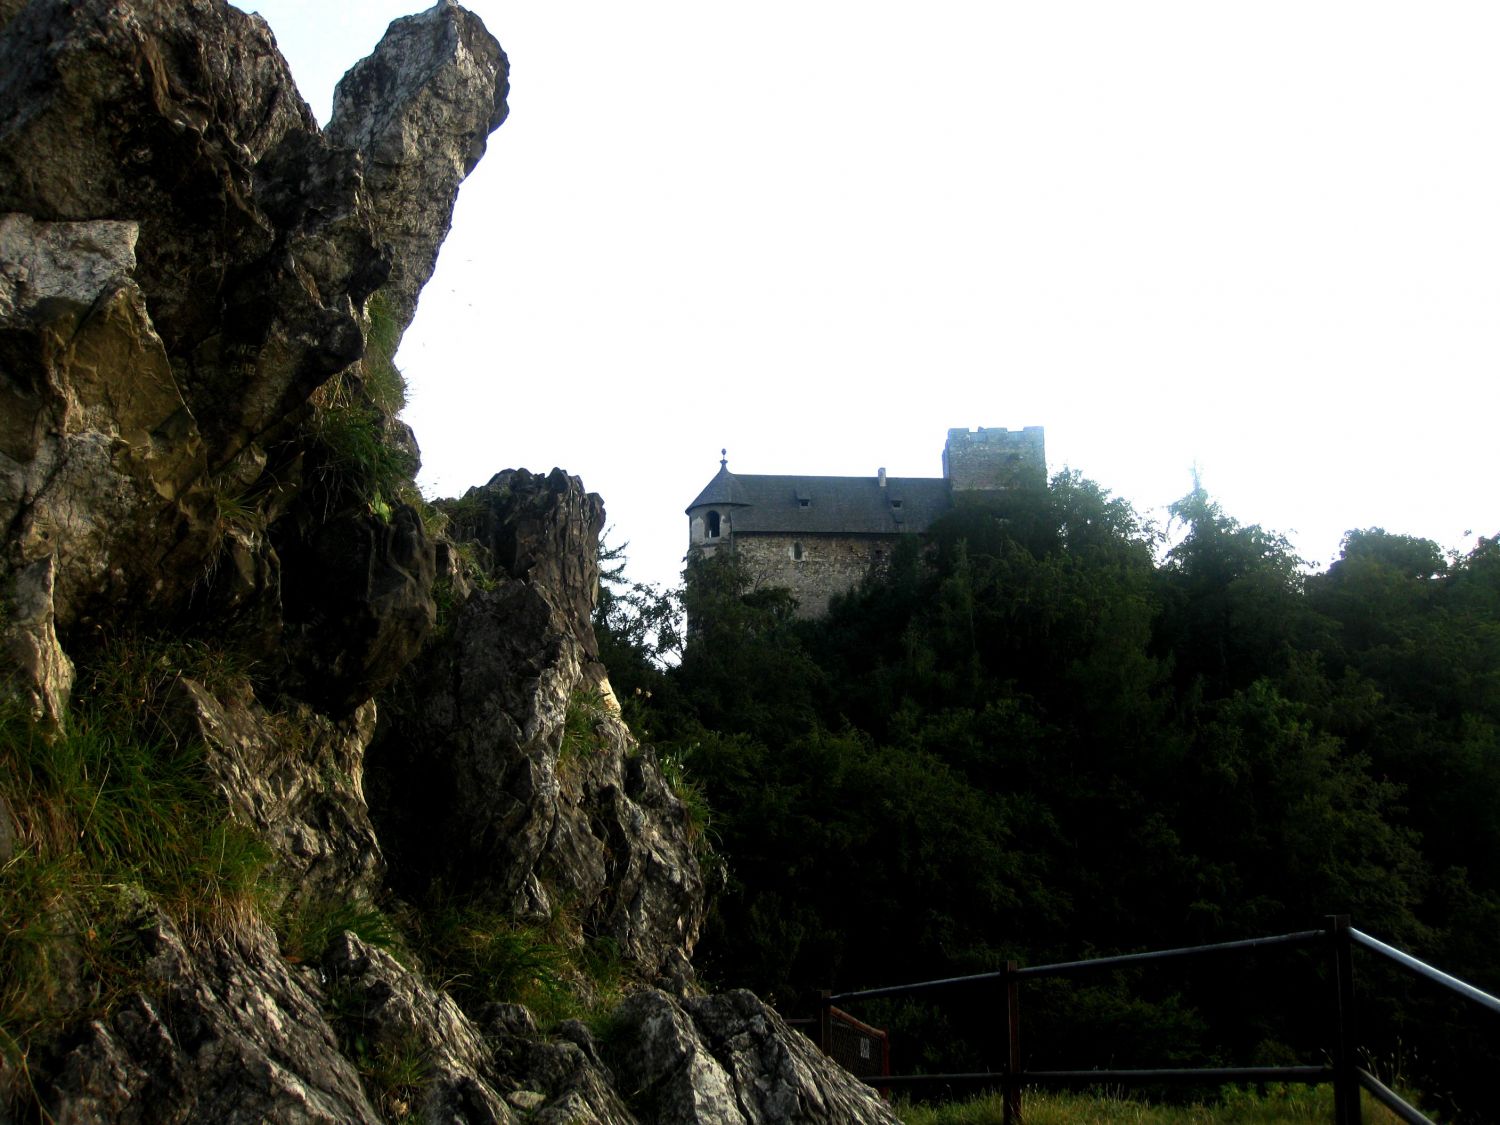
column 828, row 564
column 978, row 466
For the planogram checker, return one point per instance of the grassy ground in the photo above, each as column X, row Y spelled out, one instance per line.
column 1293, row 1104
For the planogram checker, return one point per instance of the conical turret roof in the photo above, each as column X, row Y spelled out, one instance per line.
column 724, row 490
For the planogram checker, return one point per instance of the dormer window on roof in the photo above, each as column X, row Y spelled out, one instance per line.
column 803, row 499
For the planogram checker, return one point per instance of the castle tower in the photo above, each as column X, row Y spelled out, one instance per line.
column 711, row 515
column 994, row 461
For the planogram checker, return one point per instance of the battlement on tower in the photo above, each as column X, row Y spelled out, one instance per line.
column 995, row 460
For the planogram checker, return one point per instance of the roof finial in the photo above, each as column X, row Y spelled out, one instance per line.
column 723, row 458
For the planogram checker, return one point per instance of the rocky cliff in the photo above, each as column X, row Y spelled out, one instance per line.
column 315, row 804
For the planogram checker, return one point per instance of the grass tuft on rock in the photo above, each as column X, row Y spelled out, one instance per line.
column 103, row 820
column 307, row 927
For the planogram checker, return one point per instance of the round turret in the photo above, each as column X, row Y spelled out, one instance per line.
column 710, row 516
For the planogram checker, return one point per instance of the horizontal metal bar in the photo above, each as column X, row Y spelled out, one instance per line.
column 996, row 1077
column 1308, row 1075
column 918, row 986
column 1302, row 937
column 1423, row 969
column 1391, row 1100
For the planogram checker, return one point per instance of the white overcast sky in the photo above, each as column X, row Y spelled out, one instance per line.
column 1262, row 239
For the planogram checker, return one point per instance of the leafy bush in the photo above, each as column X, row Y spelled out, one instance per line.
column 1045, row 730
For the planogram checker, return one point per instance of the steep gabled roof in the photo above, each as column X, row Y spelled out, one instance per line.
column 828, row 505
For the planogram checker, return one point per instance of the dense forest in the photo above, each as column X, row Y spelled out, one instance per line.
column 1052, row 730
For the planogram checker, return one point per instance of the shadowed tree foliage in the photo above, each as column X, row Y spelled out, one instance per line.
column 1037, row 734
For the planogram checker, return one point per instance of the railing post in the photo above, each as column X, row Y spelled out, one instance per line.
column 825, row 1021
column 1012, row 1112
column 1346, row 1107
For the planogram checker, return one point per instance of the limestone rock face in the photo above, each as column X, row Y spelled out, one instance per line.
column 438, row 74
column 96, row 444
column 185, row 259
column 231, row 1034
column 183, row 117
column 564, row 1080
column 357, row 603
column 395, row 1012
column 34, row 662
column 502, row 768
column 730, row 1059
column 207, row 503
column 298, row 777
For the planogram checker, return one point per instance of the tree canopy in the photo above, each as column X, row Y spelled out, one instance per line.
column 1040, row 732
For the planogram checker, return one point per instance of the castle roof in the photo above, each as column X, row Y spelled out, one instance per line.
column 724, row 490
column 827, row 505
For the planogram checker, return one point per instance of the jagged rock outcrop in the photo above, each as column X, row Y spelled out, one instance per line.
column 357, row 603
column 730, row 1058
column 227, row 1033
column 213, row 542
column 398, row 1015
column 185, row 260
column 503, row 770
column 439, row 75
column 297, row 777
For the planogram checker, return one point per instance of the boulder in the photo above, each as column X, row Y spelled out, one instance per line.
column 729, row 1059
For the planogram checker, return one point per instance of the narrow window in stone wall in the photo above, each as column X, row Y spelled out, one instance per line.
column 797, row 552
column 713, row 525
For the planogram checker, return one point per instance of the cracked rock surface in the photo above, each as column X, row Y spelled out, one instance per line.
column 195, row 451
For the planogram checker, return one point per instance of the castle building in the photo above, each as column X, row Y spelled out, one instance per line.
column 819, row 536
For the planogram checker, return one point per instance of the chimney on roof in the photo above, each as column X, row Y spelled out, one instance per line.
column 881, row 475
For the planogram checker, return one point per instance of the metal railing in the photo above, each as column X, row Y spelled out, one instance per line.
column 850, row 1042
column 1337, row 938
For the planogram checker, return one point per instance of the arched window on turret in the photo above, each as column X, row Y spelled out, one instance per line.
column 713, row 525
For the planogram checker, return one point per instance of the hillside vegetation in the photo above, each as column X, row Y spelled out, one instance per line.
column 1047, row 735
column 1278, row 1105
